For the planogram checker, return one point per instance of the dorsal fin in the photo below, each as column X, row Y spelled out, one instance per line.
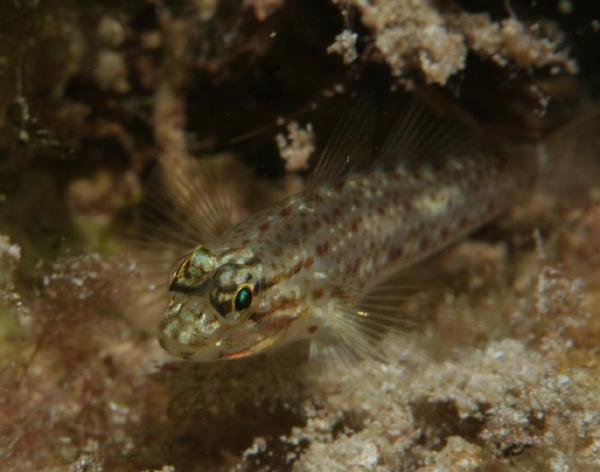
column 422, row 134
column 348, row 148
column 190, row 202
column 419, row 135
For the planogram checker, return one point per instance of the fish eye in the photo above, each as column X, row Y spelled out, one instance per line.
column 243, row 298
column 232, row 290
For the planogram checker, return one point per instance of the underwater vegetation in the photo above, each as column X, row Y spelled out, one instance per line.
column 498, row 366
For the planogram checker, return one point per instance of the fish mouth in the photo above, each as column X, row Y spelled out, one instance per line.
column 207, row 350
column 255, row 348
column 189, row 336
column 193, row 349
column 201, row 353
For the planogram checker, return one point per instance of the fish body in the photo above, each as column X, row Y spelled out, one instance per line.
column 306, row 263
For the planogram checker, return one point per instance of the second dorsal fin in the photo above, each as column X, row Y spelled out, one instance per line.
column 422, row 134
column 419, row 135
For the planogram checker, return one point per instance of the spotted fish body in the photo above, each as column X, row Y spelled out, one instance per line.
column 308, row 261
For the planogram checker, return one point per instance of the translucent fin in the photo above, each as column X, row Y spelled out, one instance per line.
column 406, row 300
column 191, row 202
column 348, row 149
column 423, row 135
column 350, row 330
column 341, row 350
column 349, row 337
column 354, row 331
column 419, row 135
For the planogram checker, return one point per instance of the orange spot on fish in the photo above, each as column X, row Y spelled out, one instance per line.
column 287, row 211
column 322, row 248
column 396, row 253
column 297, row 268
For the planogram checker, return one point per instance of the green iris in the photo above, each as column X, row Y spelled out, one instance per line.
column 243, row 299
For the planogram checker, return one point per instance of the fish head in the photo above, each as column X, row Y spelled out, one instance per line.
column 212, row 309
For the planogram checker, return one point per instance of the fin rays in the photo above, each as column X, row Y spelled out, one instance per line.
column 348, row 148
column 358, row 324
column 189, row 203
column 421, row 135
column 199, row 198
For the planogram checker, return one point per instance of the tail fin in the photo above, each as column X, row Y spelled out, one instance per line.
column 569, row 157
